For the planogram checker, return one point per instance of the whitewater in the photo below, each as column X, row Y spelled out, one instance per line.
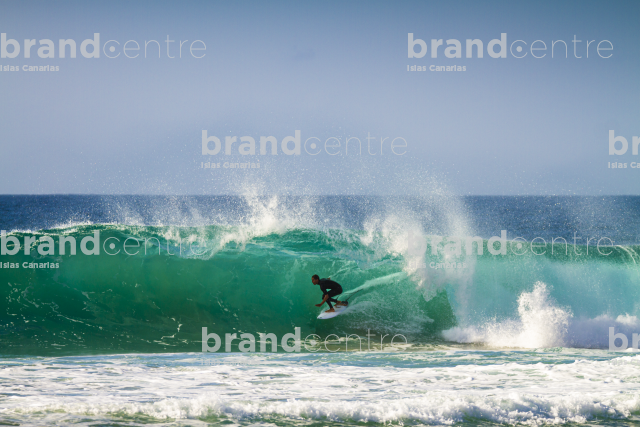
column 521, row 336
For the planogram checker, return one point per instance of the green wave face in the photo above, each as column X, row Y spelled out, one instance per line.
column 160, row 302
column 232, row 281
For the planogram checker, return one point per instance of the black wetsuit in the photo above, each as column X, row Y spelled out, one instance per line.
column 333, row 288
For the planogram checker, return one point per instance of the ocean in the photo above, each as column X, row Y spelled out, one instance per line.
column 122, row 310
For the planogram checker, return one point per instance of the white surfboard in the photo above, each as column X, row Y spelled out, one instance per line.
column 338, row 310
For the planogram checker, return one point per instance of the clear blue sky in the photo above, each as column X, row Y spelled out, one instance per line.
column 329, row 69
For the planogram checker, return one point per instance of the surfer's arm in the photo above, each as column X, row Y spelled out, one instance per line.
column 326, row 296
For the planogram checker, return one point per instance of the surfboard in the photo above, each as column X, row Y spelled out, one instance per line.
column 339, row 310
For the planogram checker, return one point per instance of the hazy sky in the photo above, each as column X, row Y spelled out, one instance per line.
column 328, row 69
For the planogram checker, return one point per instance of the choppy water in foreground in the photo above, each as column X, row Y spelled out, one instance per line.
column 436, row 386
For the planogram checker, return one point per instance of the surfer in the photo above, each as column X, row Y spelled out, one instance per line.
column 329, row 289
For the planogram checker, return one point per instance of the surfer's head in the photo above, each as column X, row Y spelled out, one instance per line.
column 315, row 279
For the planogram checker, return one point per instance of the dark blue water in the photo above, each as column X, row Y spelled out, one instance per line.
column 616, row 217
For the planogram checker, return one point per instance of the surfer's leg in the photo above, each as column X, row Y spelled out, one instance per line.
column 331, row 298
